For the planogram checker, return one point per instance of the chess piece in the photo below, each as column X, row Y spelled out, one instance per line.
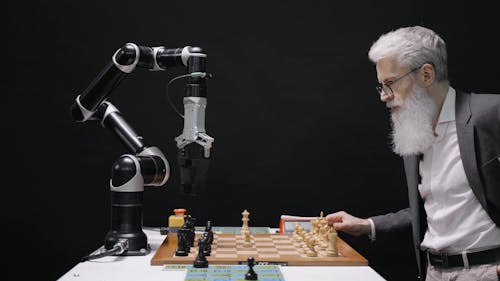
column 314, row 226
column 246, row 235
column 245, row 220
column 332, row 243
column 324, row 232
column 311, row 252
column 190, row 229
column 182, row 244
column 301, row 231
column 210, row 233
column 201, row 261
column 303, row 247
column 207, row 248
column 322, row 245
column 322, row 222
column 251, row 274
column 296, row 235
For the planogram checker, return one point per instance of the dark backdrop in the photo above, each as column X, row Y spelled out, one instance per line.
column 297, row 123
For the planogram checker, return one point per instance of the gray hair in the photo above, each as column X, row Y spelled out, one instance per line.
column 413, row 47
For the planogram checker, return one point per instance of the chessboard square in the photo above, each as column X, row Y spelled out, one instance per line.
column 257, row 238
column 284, row 247
column 250, row 252
column 225, row 251
column 241, row 244
column 264, row 244
column 225, row 247
column 289, row 253
column 268, row 250
column 282, row 242
column 231, row 256
column 270, row 255
column 225, row 239
column 281, row 237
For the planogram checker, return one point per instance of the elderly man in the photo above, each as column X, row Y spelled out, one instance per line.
column 450, row 143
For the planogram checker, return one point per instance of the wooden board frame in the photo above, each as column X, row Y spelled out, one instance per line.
column 348, row 256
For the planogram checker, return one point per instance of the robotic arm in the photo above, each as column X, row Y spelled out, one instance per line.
column 147, row 166
column 193, row 144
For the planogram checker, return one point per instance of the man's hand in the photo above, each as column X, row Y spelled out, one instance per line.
column 342, row 221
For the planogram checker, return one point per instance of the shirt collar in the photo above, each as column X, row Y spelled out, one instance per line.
column 447, row 114
column 448, row 110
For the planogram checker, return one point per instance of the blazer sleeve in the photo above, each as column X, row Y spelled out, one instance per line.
column 392, row 221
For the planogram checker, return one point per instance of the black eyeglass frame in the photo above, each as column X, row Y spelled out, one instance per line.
column 385, row 87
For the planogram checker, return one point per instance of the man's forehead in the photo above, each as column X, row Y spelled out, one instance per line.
column 388, row 68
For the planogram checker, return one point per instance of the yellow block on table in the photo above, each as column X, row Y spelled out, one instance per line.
column 176, row 220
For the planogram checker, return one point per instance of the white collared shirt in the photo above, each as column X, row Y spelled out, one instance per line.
column 456, row 220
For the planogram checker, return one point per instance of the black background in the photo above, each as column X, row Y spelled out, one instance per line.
column 297, row 123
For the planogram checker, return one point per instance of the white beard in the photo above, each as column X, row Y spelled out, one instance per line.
column 412, row 131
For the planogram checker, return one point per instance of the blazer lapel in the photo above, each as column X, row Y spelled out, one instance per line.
column 465, row 134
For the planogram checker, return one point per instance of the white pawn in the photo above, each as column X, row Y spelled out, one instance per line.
column 296, row 233
column 332, row 243
column 311, row 252
column 247, row 243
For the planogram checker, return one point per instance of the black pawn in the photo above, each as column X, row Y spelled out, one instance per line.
column 251, row 274
column 201, row 261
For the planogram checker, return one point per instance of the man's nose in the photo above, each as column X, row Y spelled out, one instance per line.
column 386, row 97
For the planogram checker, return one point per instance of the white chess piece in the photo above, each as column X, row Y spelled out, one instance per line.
column 311, row 252
column 247, row 241
column 296, row 233
column 245, row 220
column 332, row 243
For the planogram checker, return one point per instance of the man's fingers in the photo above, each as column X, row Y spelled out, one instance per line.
column 340, row 226
column 335, row 217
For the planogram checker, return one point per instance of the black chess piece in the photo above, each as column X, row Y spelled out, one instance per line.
column 210, row 233
column 182, row 245
column 201, row 261
column 251, row 274
column 207, row 248
column 189, row 226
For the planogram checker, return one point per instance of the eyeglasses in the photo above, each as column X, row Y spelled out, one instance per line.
column 387, row 87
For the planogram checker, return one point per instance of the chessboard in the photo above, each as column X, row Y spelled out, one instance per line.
column 269, row 248
column 229, row 272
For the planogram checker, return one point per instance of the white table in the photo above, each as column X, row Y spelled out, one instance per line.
column 138, row 268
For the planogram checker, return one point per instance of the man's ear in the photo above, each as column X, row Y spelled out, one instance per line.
column 427, row 74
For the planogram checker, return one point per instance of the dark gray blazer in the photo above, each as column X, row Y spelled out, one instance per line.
column 478, row 131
